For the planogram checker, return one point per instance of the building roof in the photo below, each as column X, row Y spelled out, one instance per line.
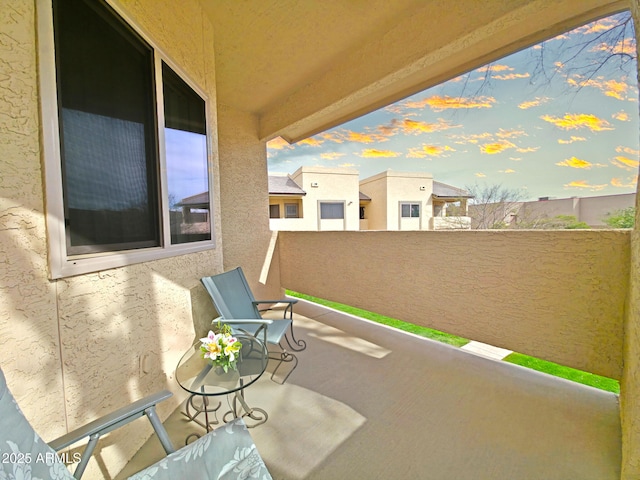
column 442, row 190
column 364, row 198
column 201, row 200
column 283, row 185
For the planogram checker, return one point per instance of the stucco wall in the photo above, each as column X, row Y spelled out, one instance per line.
column 557, row 295
column 72, row 349
column 247, row 238
column 327, row 185
column 630, row 384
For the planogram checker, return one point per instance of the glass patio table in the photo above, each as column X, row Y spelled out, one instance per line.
column 203, row 380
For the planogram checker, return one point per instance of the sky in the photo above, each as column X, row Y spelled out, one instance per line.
column 559, row 119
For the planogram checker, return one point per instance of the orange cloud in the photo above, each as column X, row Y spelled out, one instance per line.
column 332, row 137
column 496, row 147
column 331, row 155
column 429, row 151
column 627, row 150
column 571, row 140
column 495, row 68
column 439, row 103
column 580, row 120
column 508, row 170
column 611, row 88
column 575, row 162
column 626, row 46
column 511, row 76
column 311, row 141
column 374, row 153
column 416, row 127
column 480, row 175
column 622, row 116
column 626, row 163
column 584, row 184
column 473, row 138
column 510, row 133
column 533, row 103
column 278, row 143
column 358, row 137
column 631, row 182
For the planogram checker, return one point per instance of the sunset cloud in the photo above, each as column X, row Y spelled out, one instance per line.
column 584, row 185
column 622, row 116
column 429, row 151
column 496, row 147
column 510, row 133
column 627, row 150
column 611, row 88
column 375, row 153
column 439, row 103
column 511, row 76
column 495, row 68
column 579, row 120
column 631, row 182
column 312, row 141
column 626, row 163
column 480, row 175
column 414, row 127
column 278, row 143
column 331, row 155
column 572, row 139
column 473, row 138
column 360, row 137
column 575, row 162
column 533, row 103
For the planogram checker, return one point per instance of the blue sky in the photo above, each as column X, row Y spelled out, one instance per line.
column 559, row 119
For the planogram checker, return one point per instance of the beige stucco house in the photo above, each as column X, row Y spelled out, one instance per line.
column 88, row 323
column 318, row 198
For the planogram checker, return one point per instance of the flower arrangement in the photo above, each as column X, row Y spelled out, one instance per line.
column 221, row 347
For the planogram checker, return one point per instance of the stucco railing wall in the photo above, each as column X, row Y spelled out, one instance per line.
column 556, row 295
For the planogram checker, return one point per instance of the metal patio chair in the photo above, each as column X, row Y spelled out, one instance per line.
column 225, row 453
column 234, row 299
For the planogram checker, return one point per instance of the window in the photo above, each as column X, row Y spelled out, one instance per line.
column 274, row 211
column 291, row 210
column 127, row 167
column 410, row 210
column 331, row 210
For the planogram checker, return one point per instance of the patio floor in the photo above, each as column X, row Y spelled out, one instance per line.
column 369, row 402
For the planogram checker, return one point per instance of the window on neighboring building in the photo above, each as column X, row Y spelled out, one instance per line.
column 362, row 217
column 291, row 210
column 331, row 210
column 125, row 182
column 274, row 211
column 410, row 210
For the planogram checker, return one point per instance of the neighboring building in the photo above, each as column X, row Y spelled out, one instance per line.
column 316, row 198
column 590, row 210
column 323, row 199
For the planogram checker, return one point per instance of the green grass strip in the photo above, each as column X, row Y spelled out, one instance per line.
column 392, row 322
column 603, row 383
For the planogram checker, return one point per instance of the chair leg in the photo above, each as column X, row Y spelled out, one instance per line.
column 295, row 345
column 284, row 357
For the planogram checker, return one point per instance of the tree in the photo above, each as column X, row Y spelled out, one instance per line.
column 493, row 206
column 623, row 218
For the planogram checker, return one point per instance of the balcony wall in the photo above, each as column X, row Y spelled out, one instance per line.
column 557, row 295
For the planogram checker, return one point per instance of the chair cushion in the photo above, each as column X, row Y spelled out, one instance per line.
column 23, row 454
column 226, row 453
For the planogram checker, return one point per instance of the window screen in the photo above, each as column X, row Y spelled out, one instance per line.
column 332, row 210
column 106, row 106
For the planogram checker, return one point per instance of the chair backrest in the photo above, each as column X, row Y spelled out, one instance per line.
column 231, row 295
column 22, row 450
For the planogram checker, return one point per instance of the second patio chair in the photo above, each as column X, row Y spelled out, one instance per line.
column 233, row 299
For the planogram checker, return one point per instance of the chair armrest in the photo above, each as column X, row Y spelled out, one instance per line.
column 111, row 421
column 282, row 300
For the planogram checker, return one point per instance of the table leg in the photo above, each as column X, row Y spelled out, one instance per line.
column 205, row 408
column 258, row 414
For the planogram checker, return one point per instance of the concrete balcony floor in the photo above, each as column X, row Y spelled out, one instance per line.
column 368, row 402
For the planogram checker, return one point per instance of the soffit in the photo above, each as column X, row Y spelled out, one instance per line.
column 303, row 66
